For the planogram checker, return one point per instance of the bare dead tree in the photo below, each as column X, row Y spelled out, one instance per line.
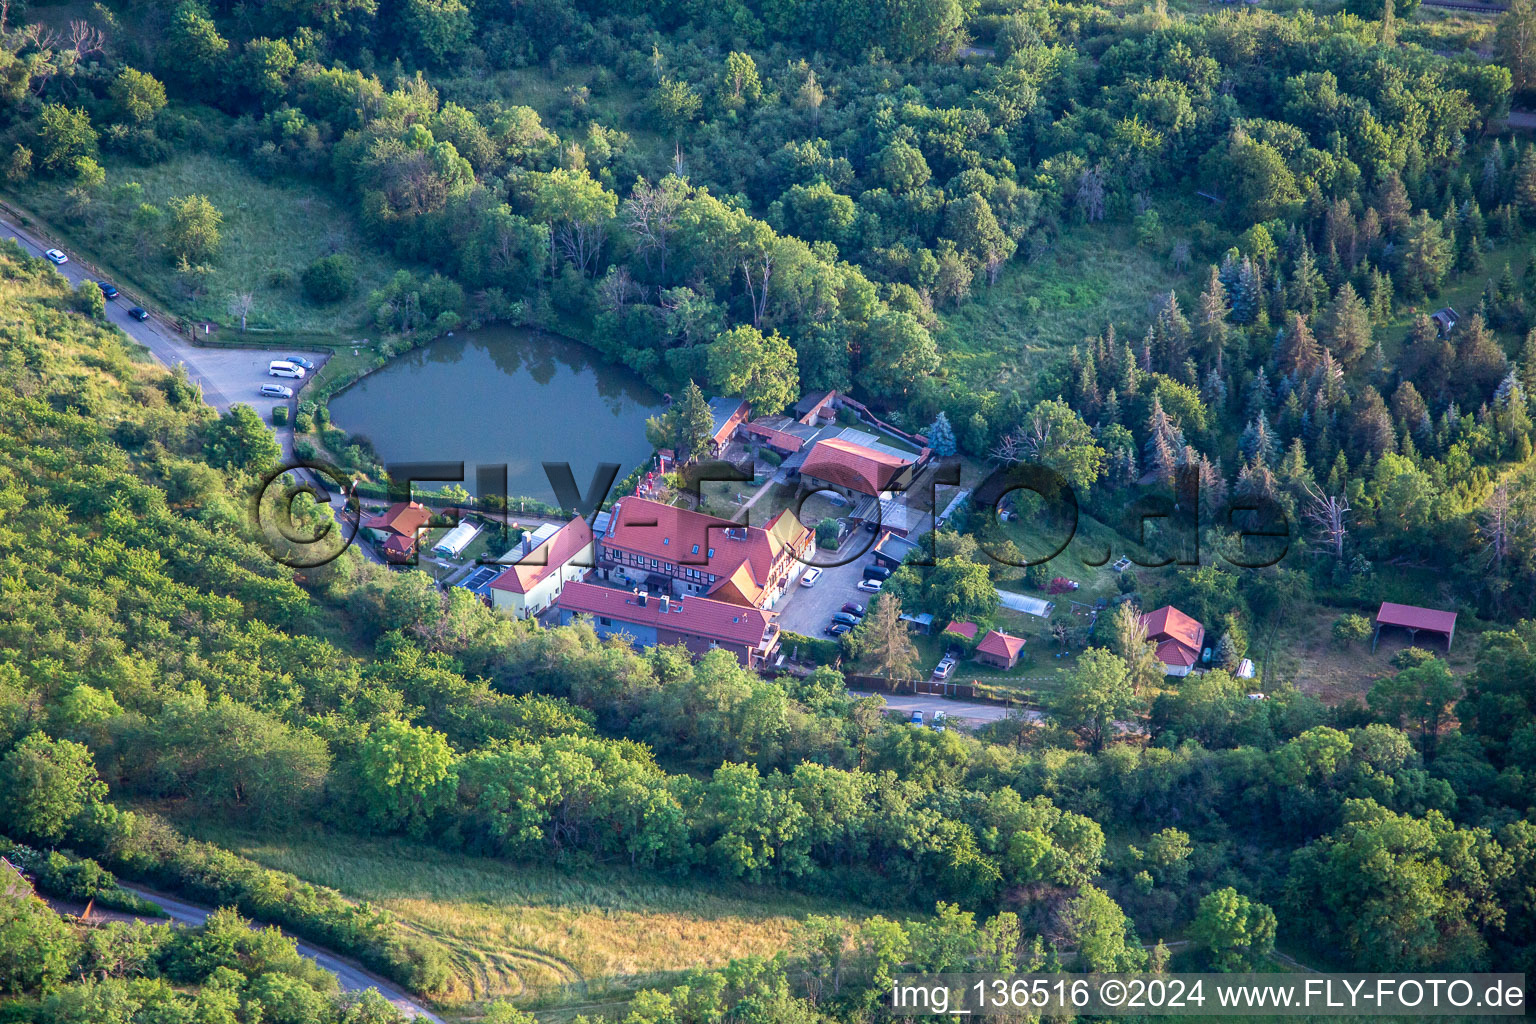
column 756, row 270
column 1500, row 522
column 616, row 289
column 240, row 307
column 650, row 213
column 85, row 39
column 994, row 264
column 1090, row 194
column 1329, row 514
column 1009, row 449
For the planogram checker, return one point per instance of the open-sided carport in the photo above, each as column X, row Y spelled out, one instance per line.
column 1415, row 620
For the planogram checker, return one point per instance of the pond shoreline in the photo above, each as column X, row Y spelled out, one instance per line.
column 504, row 395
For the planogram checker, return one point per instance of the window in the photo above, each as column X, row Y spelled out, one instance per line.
column 665, row 541
column 695, row 549
column 711, row 552
column 604, row 620
column 653, row 563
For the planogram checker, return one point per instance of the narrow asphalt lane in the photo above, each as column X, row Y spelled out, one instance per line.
column 226, row 375
column 353, row 978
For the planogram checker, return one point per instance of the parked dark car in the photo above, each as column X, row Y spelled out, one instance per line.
column 876, row 572
column 139, row 313
column 110, row 291
column 300, row 361
column 837, row 629
column 846, row 619
column 854, row 609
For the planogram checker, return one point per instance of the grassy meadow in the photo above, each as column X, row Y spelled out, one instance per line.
column 1004, row 335
column 545, row 935
column 272, row 230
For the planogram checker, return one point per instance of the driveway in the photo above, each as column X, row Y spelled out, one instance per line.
column 226, row 375
column 808, row 610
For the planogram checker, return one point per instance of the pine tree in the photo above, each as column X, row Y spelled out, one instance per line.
column 1294, row 471
column 1258, row 442
column 1259, row 395
column 1305, row 283
column 1171, row 332
column 1245, row 293
column 1347, row 326
column 1338, row 476
column 1380, row 297
column 1373, row 431
column 1211, row 320
column 1160, row 427
column 941, row 436
column 1299, row 352
column 1162, row 459
column 1528, row 363
column 1111, row 411
column 1392, row 203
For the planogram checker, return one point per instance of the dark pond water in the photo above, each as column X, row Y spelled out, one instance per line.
column 503, row 396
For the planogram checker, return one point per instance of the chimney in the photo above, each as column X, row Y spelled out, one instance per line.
column 666, row 604
column 640, row 596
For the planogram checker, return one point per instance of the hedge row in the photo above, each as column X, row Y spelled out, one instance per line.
column 145, row 848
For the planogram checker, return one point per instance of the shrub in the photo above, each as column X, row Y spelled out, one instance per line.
column 1348, row 629
column 329, row 278
column 773, row 458
column 279, row 415
column 828, row 533
column 89, row 300
column 303, row 423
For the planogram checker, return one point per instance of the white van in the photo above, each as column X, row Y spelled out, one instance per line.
column 283, row 368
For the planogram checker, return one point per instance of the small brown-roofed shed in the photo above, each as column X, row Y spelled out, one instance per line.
column 1415, row 620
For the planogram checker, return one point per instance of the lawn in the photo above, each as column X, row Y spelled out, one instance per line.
column 542, row 934
column 271, row 231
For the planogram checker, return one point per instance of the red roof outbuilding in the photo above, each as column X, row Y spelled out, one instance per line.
column 1413, row 618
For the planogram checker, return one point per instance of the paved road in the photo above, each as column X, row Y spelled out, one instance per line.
column 352, row 977
column 226, row 375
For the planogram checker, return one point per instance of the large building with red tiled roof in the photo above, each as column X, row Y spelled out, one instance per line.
column 666, row 548
column 1179, row 639
column 698, row 623
column 533, row 583
column 1000, row 650
column 398, row 528
column 853, row 469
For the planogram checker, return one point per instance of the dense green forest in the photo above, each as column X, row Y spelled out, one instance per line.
column 768, row 198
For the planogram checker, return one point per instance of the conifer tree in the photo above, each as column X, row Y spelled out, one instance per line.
column 941, row 436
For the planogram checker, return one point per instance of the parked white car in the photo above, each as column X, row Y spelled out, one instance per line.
column 871, row 586
column 283, row 368
column 56, row 257
column 810, row 577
